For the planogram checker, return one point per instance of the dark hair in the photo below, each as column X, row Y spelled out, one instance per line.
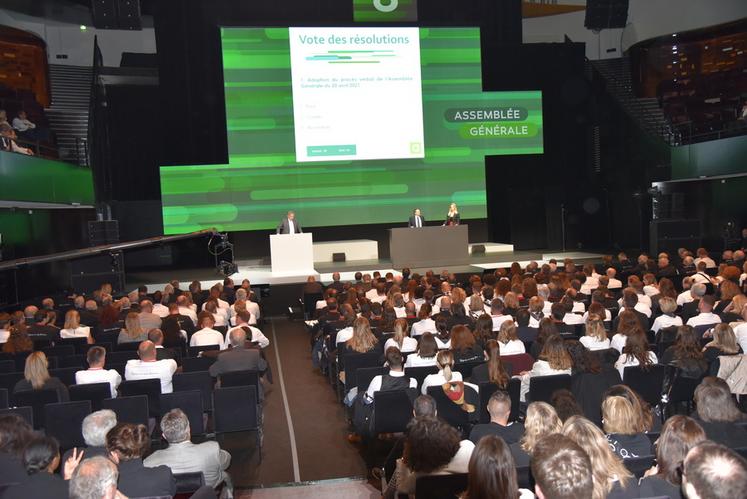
column 483, row 328
column 678, row 435
column 129, row 441
column 492, row 471
column 14, row 433
column 561, row 468
column 95, row 355
column 496, row 372
column 424, row 405
column 427, row 347
column 430, row 444
column 636, row 346
column 442, row 326
column 686, row 344
column 39, row 453
column 462, row 339
column 565, row 404
column 584, row 361
column 394, row 357
column 546, row 329
column 522, row 317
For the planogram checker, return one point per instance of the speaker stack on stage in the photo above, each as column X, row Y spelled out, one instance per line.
column 89, row 273
column 116, row 14
column 606, row 14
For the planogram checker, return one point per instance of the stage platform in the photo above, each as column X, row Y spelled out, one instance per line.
column 259, row 272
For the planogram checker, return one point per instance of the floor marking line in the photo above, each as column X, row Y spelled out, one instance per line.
column 286, row 407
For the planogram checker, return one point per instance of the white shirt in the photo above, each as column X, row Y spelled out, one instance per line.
column 415, row 360
column 643, row 308
column 256, row 336
column 626, row 360
column 408, row 344
column 573, row 319
column 94, row 375
column 424, row 326
column 684, row 297
column 4, row 334
column 160, row 310
column 438, row 380
column 22, row 125
column 161, row 369
column 418, row 221
column 589, row 285
column 291, row 226
column 710, row 264
column 701, row 278
column 207, row 336
column 80, row 332
column 344, row 334
column 189, row 313
column 578, row 307
column 665, row 321
column 512, row 347
column 704, row 318
column 618, row 342
column 500, row 319
column 375, row 384
column 650, row 290
column 614, row 284
column 253, row 308
column 443, row 345
column 592, row 343
column 740, row 332
column 371, row 294
column 400, row 312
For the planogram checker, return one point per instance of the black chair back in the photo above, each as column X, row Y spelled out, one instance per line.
column 26, row 413
column 149, row 387
column 200, row 380
column 127, row 346
column 59, row 351
column 195, row 351
column 541, row 388
column 420, row 372
column 8, row 380
column 65, row 374
column 486, row 391
column 77, row 343
column 95, row 393
column 129, row 409
column 646, row 383
column 366, row 374
column 466, row 367
column 639, row 465
column 524, row 477
column 109, row 335
column 36, row 399
column 186, row 483
column 514, row 391
column 240, row 378
column 76, row 361
column 235, row 409
column 64, row 422
column 392, row 411
column 355, row 361
column 190, row 402
column 194, row 364
column 449, row 411
column 20, row 360
column 7, row 366
column 441, row 486
column 120, row 357
column 3, row 398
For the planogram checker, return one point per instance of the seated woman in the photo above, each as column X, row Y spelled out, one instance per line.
column 477, row 306
column 610, row 477
column 678, row 435
column 541, row 420
column 623, row 429
column 492, row 472
column 401, row 340
column 686, row 354
column 627, row 325
column 426, row 353
column 445, row 363
column 425, row 323
column 126, row 444
column 595, row 336
column 508, row 339
column 132, row 331
column 443, row 334
column 553, row 359
column 41, row 457
column 646, row 418
column 36, row 377
column 493, row 371
column 635, row 353
column 724, row 343
column 668, row 307
column 73, row 328
column 219, row 314
column 546, row 329
column 464, row 347
column 483, row 330
column 590, row 380
column 718, row 414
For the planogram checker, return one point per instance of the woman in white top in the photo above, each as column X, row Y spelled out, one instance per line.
column 554, row 359
column 73, row 329
column 595, row 336
column 219, row 314
column 627, row 325
column 425, row 323
column 445, row 363
column 635, row 353
column 443, row 334
column 426, row 354
column 207, row 335
column 667, row 318
column 475, row 307
column 401, row 340
column 509, row 342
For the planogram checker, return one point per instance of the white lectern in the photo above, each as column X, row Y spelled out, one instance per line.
column 292, row 254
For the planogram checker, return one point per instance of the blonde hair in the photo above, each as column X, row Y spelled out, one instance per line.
column 507, row 332
column 724, row 339
column 445, row 361
column 72, row 319
column 541, row 420
column 619, row 416
column 511, row 300
column 36, row 370
column 132, row 325
column 363, row 339
column 458, row 296
column 595, row 328
column 667, row 305
column 476, row 304
column 400, row 331
column 605, row 465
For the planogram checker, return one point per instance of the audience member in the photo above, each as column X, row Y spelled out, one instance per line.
column 492, row 472
column 712, row 471
column 426, row 352
column 239, row 358
column 561, row 469
column 15, row 432
column 595, row 335
column 554, row 359
column 508, row 339
column 565, row 404
column 207, row 335
column 623, row 429
column 635, row 353
column 96, row 358
column 445, row 374
column 499, row 408
column 705, row 315
column 73, row 328
column 718, row 414
column 493, row 371
column 148, row 366
column 94, row 428
column 95, row 478
column 401, row 340
column 41, row 457
column 686, row 354
column 133, row 331
column 541, row 420
column 127, row 444
column 36, row 377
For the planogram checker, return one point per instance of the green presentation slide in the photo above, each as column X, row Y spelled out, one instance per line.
column 351, row 126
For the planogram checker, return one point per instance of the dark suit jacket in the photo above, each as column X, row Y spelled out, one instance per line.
column 411, row 221
column 238, row 359
column 284, row 227
column 689, row 310
column 172, row 324
column 135, row 480
column 455, row 220
column 168, row 353
column 40, row 485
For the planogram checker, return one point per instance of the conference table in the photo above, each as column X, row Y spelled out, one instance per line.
column 431, row 246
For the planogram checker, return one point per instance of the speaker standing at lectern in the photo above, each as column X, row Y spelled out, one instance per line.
column 416, row 220
column 289, row 225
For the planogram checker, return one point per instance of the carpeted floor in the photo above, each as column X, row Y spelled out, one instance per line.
column 333, row 489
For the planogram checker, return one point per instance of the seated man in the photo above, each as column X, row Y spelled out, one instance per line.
column 95, row 478
column 94, row 428
column 96, row 358
column 395, row 379
column 242, row 320
column 156, row 336
column 561, row 469
column 238, row 357
column 713, row 471
column 705, row 313
column 499, row 408
column 148, row 366
column 182, row 456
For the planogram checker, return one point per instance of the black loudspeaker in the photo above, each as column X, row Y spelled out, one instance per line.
column 669, row 235
column 606, row 14
column 478, row 249
column 103, row 232
column 338, row 257
column 89, row 273
column 116, row 14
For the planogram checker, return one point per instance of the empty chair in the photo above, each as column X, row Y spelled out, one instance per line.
column 646, row 383
column 420, row 372
column 236, row 408
column 25, row 412
column 441, row 486
column 149, row 387
column 65, row 374
column 95, row 393
column 190, row 402
column 392, row 411
column 681, row 391
column 129, row 409
column 7, row 366
column 193, row 364
column 76, row 361
column 36, row 399
column 541, row 388
column 59, row 351
column 354, row 361
column 63, row 421
column 200, row 380
column 187, row 483
column 240, row 378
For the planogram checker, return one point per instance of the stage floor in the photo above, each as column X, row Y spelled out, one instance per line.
column 259, row 272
